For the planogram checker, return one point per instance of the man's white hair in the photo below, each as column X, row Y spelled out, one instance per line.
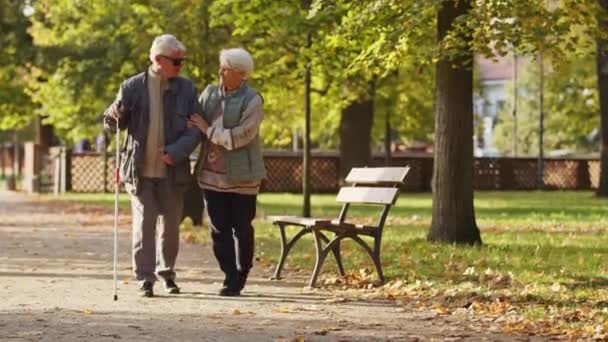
column 165, row 44
column 238, row 59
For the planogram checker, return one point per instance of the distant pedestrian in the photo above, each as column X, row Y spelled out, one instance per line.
column 82, row 145
column 100, row 142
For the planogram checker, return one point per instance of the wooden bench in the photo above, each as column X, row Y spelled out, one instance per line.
column 377, row 186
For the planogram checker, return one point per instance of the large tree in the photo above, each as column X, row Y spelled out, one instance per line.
column 453, row 213
column 602, row 86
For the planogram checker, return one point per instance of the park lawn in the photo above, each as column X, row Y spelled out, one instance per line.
column 543, row 266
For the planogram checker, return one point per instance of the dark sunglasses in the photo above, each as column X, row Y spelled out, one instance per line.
column 176, row 61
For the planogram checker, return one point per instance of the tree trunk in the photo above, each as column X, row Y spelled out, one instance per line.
column 602, row 86
column 453, row 213
column 44, row 133
column 355, row 135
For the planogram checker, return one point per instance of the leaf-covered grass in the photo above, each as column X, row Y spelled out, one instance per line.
column 544, row 256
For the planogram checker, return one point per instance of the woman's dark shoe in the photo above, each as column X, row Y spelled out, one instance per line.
column 228, row 292
column 231, row 286
column 147, row 289
column 171, row 287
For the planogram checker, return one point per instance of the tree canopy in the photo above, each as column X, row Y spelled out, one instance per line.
column 83, row 51
column 64, row 59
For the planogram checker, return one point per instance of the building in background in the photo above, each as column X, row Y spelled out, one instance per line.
column 490, row 99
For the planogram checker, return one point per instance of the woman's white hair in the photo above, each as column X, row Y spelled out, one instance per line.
column 165, row 44
column 238, row 59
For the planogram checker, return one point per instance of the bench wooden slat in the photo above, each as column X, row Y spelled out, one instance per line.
column 300, row 221
column 367, row 195
column 377, row 174
column 336, row 222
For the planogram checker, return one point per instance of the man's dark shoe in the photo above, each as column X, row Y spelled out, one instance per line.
column 229, row 292
column 147, row 289
column 171, row 287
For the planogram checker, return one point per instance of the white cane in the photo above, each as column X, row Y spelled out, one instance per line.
column 116, row 191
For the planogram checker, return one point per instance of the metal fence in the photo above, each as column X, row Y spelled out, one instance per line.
column 89, row 174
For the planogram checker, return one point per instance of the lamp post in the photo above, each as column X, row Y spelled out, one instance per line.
column 539, row 171
column 306, row 161
column 514, row 112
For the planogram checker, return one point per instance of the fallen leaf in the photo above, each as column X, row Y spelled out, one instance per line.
column 321, row 332
column 335, row 300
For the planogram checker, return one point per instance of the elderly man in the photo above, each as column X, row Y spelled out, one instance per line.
column 231, row 165
column 153, row 108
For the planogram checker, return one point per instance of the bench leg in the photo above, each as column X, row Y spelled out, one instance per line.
column 336, row 251
column 285, row 248
column 374, row 254
column 321, row 254
column 376, row 258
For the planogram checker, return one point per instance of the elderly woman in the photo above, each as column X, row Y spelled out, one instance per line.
column 230, row 166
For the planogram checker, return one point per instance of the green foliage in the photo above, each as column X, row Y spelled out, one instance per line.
column 404, row 29
column 79, row 52
column 275, row 32
column 388, row 35
column 277, row 35
column 570, row 108
column 88, row 48
column 16, row 51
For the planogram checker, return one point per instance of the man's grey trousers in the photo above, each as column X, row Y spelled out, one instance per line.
column 155, row 246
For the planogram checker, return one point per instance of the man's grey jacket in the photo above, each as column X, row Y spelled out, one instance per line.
column 179, row 101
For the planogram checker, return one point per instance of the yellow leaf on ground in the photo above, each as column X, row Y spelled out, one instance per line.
column 321, row 332
column 335, row 300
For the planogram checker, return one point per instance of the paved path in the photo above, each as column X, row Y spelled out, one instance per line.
column 56, row 285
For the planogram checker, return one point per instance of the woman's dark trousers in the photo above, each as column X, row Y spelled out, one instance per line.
column 230, row 217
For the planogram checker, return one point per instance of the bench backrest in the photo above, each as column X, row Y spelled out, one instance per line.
column 377, row 175
column 367, row 195
column 380, row 187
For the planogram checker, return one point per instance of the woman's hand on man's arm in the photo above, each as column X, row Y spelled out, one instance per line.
column 195, row 120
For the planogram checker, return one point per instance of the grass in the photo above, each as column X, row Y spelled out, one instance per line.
column 544, row 254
